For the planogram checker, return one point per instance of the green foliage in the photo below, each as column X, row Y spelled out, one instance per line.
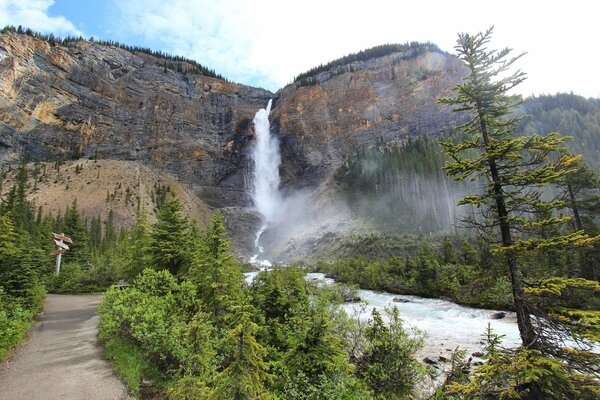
column 137, row 249
column 513, row 214
column 14, row 321
column 316, row 350
column 520, row 374
column 168, row 238
column 69, row 279
column 216, row 272
column 425, row 274
column 245, row 373
column 386, row 360
column 566, row 112
column 75, row 227
column 130, row 364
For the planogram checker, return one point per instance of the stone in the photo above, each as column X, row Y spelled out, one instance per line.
column 498, row 315
column 399, row 299
column 429, row 361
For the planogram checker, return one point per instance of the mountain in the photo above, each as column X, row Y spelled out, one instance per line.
column 81, row 99
column 90, row 100
column 132, row 109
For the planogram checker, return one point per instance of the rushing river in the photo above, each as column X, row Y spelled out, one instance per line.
column 446, row 325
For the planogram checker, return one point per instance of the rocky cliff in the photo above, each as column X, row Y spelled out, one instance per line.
column 363, row 104
column 87, row 100
column 90, row 100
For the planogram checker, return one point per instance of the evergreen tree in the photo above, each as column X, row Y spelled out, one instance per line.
column 169, row 238
column 215, row 270
column 75, row 228
column 138, row 249
column 109, row 239
column 96, row 233
column 515, row 167
column 386, row 361
column 9, row 250
column 245, row 372
column 317, row 351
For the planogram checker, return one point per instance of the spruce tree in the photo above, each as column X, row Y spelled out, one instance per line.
column 138, row 246
column 215, row 270
column 109, row 239
column 168, row 239
column 514, row 167
column 245, row 372
column 75, row 228
column 513, row 171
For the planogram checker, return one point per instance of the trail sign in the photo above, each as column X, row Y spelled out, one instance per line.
column 59, row 239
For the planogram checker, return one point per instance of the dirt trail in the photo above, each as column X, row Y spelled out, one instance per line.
column 62, row 360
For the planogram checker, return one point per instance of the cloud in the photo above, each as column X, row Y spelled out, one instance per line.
column 267, row 43
column 34, row 14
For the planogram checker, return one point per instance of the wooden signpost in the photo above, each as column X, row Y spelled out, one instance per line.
column 59, row 240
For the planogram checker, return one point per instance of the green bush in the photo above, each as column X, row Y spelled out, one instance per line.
column 14, row 321
column 69, row 279
column 154, row 312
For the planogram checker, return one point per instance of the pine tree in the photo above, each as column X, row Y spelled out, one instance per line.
column 96, row 233
column 317, row 351
column 515, row 170
column 168, row 239
column 109, row 239
column 138, row 250
column 75, row 228
column 387, row 360
column 9, row 249
column 215, row 270
column 515, row 167
column 245, row 372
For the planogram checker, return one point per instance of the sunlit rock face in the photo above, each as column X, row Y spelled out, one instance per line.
column 379, row 101
column 91, row 100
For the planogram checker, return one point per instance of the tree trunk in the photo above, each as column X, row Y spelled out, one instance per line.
column 576, row 217
column 526, row 329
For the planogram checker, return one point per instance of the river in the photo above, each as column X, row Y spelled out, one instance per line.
column 446, row 325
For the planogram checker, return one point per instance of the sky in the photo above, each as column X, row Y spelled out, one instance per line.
column 266, row 43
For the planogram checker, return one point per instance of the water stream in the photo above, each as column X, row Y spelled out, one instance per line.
column 445, row 324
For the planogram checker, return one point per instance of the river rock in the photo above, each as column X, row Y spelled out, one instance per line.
column 399, row 299
column 498, row 315
column 430, row 361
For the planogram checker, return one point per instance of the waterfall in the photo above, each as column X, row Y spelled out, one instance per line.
column 265, row 185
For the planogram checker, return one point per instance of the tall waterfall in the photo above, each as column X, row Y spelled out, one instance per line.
column 265, row 188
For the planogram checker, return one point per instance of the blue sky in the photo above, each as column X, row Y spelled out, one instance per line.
column 266, row 43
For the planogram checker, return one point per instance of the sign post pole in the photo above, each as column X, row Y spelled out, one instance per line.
column 59, row 240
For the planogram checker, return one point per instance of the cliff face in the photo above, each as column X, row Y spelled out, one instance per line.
column 375, row 102
column 89, row 100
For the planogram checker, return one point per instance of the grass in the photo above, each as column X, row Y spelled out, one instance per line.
column 130, row 364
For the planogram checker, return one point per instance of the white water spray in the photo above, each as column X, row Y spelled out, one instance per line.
column 265, row 190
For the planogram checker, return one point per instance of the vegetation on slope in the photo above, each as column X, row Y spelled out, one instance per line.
column 409, row 51
column 168, row 61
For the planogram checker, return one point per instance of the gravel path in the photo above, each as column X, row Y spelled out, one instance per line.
column 61, row 359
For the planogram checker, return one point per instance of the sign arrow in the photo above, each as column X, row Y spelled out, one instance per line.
column 61, row 244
